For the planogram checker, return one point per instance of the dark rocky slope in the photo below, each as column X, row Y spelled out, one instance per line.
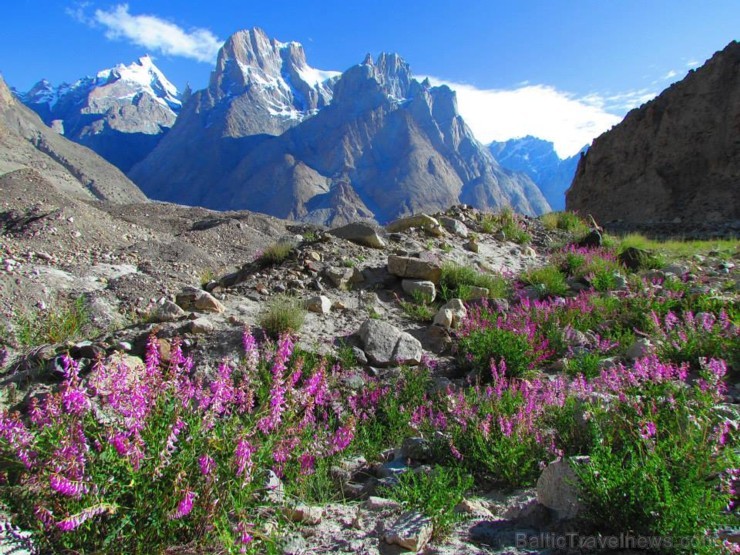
column 675, row 159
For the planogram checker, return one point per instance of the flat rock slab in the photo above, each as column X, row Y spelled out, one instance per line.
column 414, row 268
column 411, row 531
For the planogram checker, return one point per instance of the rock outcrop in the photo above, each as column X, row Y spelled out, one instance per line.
column 26, row 143
column 674, row 159
column 122, row 113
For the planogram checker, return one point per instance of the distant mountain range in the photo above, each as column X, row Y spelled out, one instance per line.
column 121, row 113
column 538, row 159
column 272, row 134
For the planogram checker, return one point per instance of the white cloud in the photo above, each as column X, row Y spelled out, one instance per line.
column 541, row 111
column 671, row 74
column 158, row 35
column 692, row 63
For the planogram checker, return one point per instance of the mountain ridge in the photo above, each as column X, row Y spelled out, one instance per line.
column 374, row 141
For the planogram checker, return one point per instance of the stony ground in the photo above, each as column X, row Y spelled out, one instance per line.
column 198, row 274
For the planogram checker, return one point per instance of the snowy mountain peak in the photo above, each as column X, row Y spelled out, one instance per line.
column 142, row 76
column 275, row 74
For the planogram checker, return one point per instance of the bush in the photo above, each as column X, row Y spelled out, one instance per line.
column 507, row 222
column 276, row 253
column 434, row 494
column 456, row 280
column 566, row 221
column 65, row 321
column 477, row 349
column 284, row 314
column 548, row 280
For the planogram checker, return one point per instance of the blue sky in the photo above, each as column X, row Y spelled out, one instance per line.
column 563, row 70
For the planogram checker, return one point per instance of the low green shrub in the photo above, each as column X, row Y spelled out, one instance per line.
column 434, row 494
column 276, row 253
column 283, row 314
column 548, row 280
column 456, row 280
column 63, row 321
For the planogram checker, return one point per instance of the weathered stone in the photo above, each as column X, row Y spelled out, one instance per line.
column 304, row 514
column 168, row 312
column 417, row 449
column 386, row 345
column 473, row 508
column 455, row 226
column 381, row 504
column 417, row 220
column 411, row 531
column 200, row 325
column 459, row 312
column 319, row 304
column 443, row 318
column 475, row 292
column 414, row 268
column 557, row 487
column 419, row 287
column 340, row 277
column 360, row 233
column 192, row 298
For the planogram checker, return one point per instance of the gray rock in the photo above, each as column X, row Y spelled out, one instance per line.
column 381, row 504
column 455, row 226
column 417, row 220
column 200, row 326
column 419, row 287
column 319, row 304
column 360, row 233
column 168, row 312
column 414, row 268
column 475, row 292
column 192, row 298
column 557, row 488
column 304, row 514
column 343, row 278
column 417, row 449
column 411, row 531
column 386, row 345
column 459, row 312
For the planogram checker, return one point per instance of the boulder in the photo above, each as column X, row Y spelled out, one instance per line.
column 443, row 318
column 386, row 345
column 455, row 226
column 557, row 487
column 168, row 312
column 414, row 268
column 192, row 298
column 361, row 233
column 200, row 326
column 319, row 304
column 417, row 220
column 419, row 287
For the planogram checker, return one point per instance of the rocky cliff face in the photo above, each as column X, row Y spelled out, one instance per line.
column 270, row 135
column 27, row 143
column 121, row 113
column 259, row 88
column 675, row 158
column 538, row 159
